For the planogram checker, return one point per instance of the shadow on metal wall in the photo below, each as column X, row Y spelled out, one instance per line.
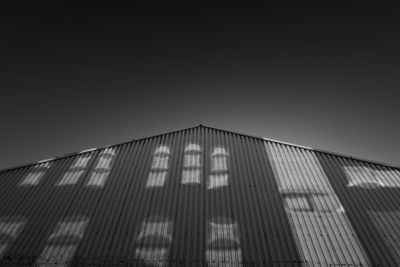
column 371, row 203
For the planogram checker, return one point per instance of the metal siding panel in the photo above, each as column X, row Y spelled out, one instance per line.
column 41, row 205
column 60, row 202
column 240, row 213
column 248, row 184
column 134, row 187
column 275, row 255
column 252, row 206
column 8, row 189
column 284, row 221
column 383, row 209
column 347, row 246
column 182, row 200
column 122, row 238
column 356, row 205
column 89, row 200
column 319, row 231
column 220, row 208
column 107, row 211
column 247, row 216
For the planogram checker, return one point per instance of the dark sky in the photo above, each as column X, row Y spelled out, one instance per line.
column 325, row 76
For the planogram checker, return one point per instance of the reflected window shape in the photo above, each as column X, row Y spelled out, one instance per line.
column 109, row 151
column 162, row 150
column 102, row 169
column 192, row 148
column 192, row 164
column 219, row 163
column 156, row 179
column 191, row 176
column 81, row 162
column 191, row 160
column 156, row 228
column 33, row 178
column 225, row 258
column 37, row 173
column 160, row 163
column 154, row 241
column 74, row 228
column 223, row 229
column 55, row 255
column 219, row 151
column 76, row 170
column 159, row 167
column 105, row 159
column 98, row 178
column 70, row 178
column 310, row 200
column 324, row 234
column 388, row 176
column 153, row 256
column 219, row 169
column 63, row 242
column 223, row 243
column 219, row 180
column 10, row 228
column 104, row 162
column 364, row 177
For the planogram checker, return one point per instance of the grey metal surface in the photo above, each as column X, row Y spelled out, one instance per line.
column 201, row 196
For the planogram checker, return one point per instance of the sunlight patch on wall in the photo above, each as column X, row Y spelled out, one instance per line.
column 154, row 241
column 219, row 168
column 324, row 233
column 102, row 170
column 223, row 243
column 37, row 173
column 10, row 228
column 191, row 173
column 63, row 242
column 362, row 177
column 75, row 171
column 159, row 167
column 371, row 176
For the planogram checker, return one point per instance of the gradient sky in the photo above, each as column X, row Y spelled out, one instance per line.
column 325, row 76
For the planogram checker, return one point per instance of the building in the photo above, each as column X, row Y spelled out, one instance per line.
column 201, row 196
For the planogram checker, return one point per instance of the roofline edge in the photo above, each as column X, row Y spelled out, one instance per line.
column 199, row 126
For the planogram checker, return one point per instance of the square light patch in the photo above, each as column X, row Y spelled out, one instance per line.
column 156, row 179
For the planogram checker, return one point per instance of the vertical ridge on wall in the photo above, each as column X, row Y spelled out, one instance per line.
column 221, row 217
column 201, row 197
column 365, row 196
column 323, row 230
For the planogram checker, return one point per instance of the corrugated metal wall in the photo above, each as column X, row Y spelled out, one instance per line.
column 371, row 197
column 199, row 197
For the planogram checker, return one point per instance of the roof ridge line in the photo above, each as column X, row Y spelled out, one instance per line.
column 92, row 149
column 194, row 127
column 308, row 148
